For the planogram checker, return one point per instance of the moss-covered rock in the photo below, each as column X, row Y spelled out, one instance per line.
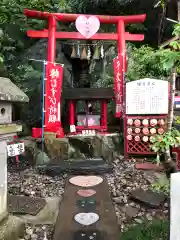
column 57, row 148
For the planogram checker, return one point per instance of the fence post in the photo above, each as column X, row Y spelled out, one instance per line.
column 175, row 207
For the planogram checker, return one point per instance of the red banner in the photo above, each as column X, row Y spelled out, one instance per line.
column 118, row 85
column 53, row 90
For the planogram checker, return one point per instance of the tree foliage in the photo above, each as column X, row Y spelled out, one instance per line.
column 149, row 62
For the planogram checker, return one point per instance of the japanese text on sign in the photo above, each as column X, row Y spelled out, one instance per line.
column 54, row 74
column 15, row 149
column 53, row 93
column 147, row 96
column 118, row 85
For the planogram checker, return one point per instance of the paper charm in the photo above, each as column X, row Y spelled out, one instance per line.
column 161, row 122
column 129, row 137
column 83, row 53
column 102, row 51
column 160, row 131
column 78, row 51
column 137, row 138
column 96, row 53
column 89, row 53
column 86, row 219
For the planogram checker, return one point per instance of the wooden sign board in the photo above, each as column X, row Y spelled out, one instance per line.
column 147, row 96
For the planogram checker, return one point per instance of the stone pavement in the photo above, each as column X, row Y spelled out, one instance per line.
column 105, row 228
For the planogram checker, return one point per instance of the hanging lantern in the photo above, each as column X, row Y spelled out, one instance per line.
column 161, row 122
column 145, row 131
column 137, row 138
column 160, row 131
column 137, row 123
column 129, row 130
column 145, row 122
column 130, row 122
column 96, row 53
column 145, row 139
column 73, row 54
column 129, row 137
column 83, row 53
column 152, row 130
column 137, row 130
column 153, row 122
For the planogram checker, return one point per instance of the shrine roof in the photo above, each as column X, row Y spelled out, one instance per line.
column 10, row 92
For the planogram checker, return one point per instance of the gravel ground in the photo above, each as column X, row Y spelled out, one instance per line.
column 122, row 181
column 29, row 183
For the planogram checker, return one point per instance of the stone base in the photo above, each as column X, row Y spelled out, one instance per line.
column 84, row 148
column 11, row 228
column 78, row 167
column 47, row 215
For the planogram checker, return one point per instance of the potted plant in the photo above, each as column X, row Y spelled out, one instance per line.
column 162, row 145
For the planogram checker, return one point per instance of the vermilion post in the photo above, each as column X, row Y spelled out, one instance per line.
column 71, row 113
column 51, row 39
column 104, row 114
column 121, row 40
column 122, row 54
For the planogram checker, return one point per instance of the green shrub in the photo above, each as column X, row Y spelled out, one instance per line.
column 155, row 230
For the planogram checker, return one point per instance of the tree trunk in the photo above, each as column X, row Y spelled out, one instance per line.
column 169, row 164
column 171, row 101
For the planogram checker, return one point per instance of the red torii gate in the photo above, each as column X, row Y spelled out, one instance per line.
column 121, row 36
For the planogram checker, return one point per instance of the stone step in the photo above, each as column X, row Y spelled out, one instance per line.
column 77, row 167
column 106, row 228
column 12, row 228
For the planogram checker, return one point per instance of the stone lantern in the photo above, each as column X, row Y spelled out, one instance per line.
column 9, row 94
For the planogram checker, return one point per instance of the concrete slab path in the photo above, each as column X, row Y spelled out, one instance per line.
column 106, row 228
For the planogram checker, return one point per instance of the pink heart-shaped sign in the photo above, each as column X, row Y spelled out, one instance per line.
column 86, row 192
column 87, row 26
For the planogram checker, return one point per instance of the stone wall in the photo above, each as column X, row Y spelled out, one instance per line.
column 72, row 148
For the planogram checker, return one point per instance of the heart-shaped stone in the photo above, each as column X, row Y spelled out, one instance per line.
column 86, row 192
column 87, row 205
column 86, row 219
column 86, row 181
column 88, row 234
column 87, row 26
